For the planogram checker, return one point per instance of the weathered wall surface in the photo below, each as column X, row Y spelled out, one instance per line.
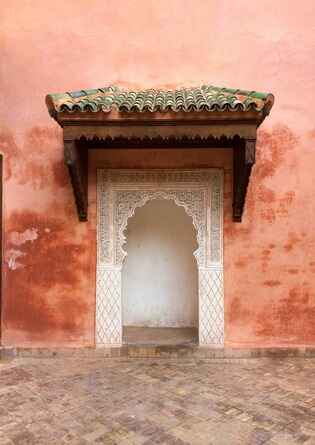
column 49, row 270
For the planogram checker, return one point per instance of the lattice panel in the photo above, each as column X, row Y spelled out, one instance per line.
column 211, row 307
column 108, row 307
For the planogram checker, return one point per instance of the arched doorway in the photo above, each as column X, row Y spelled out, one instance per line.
column 159, row 276
column 119, row 194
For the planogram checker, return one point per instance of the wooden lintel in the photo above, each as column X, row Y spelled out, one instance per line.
column 167, row 131
column 244, row 159
column 76, row 160
column 149, row 118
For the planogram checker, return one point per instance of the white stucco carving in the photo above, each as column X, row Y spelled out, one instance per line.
column 120, row 192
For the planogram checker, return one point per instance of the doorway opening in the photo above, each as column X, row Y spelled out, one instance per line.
column 160, row 276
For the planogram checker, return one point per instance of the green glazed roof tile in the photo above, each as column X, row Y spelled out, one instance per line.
column 205, row 98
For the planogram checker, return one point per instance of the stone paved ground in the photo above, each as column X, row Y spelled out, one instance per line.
column 162, row 401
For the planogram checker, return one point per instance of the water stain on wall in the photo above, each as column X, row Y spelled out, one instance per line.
column 265, row 194
column 272, row 283
column 60, row 174
column 10, row 151
column 265, row 259
column 263, row 203
column 37, row 161
column 293, row 240
column 293, row 271
column 290, row 312
column 238, row 312
column 51, row 266
column 272, row 150
column 291, row 318
column 40, row 140
column 42, row 148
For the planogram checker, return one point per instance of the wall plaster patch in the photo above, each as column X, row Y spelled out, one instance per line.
column 119, row 194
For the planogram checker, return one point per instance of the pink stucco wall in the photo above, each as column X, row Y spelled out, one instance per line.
column 49, row 269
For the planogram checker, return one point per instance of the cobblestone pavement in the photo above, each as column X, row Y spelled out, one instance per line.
column 162, row 401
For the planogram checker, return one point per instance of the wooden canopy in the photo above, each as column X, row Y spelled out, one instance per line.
column 207, row 117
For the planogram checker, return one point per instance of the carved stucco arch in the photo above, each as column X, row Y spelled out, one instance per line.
column 120, row 193
column 192, row 206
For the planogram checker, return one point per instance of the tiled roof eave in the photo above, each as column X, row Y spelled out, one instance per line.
column 114, row 101
column 208, row 116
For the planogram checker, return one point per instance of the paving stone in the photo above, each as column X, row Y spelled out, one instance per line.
column 188, row 401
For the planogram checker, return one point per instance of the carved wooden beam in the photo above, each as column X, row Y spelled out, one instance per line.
column 76, row 158
column 244, row 159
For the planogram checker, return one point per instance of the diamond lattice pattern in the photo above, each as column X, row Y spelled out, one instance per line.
column 108, row 307
column 211, row 321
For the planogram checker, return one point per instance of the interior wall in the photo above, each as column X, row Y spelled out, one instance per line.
column 160, row 278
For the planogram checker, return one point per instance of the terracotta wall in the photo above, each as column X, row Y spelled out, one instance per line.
column 49, row 270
